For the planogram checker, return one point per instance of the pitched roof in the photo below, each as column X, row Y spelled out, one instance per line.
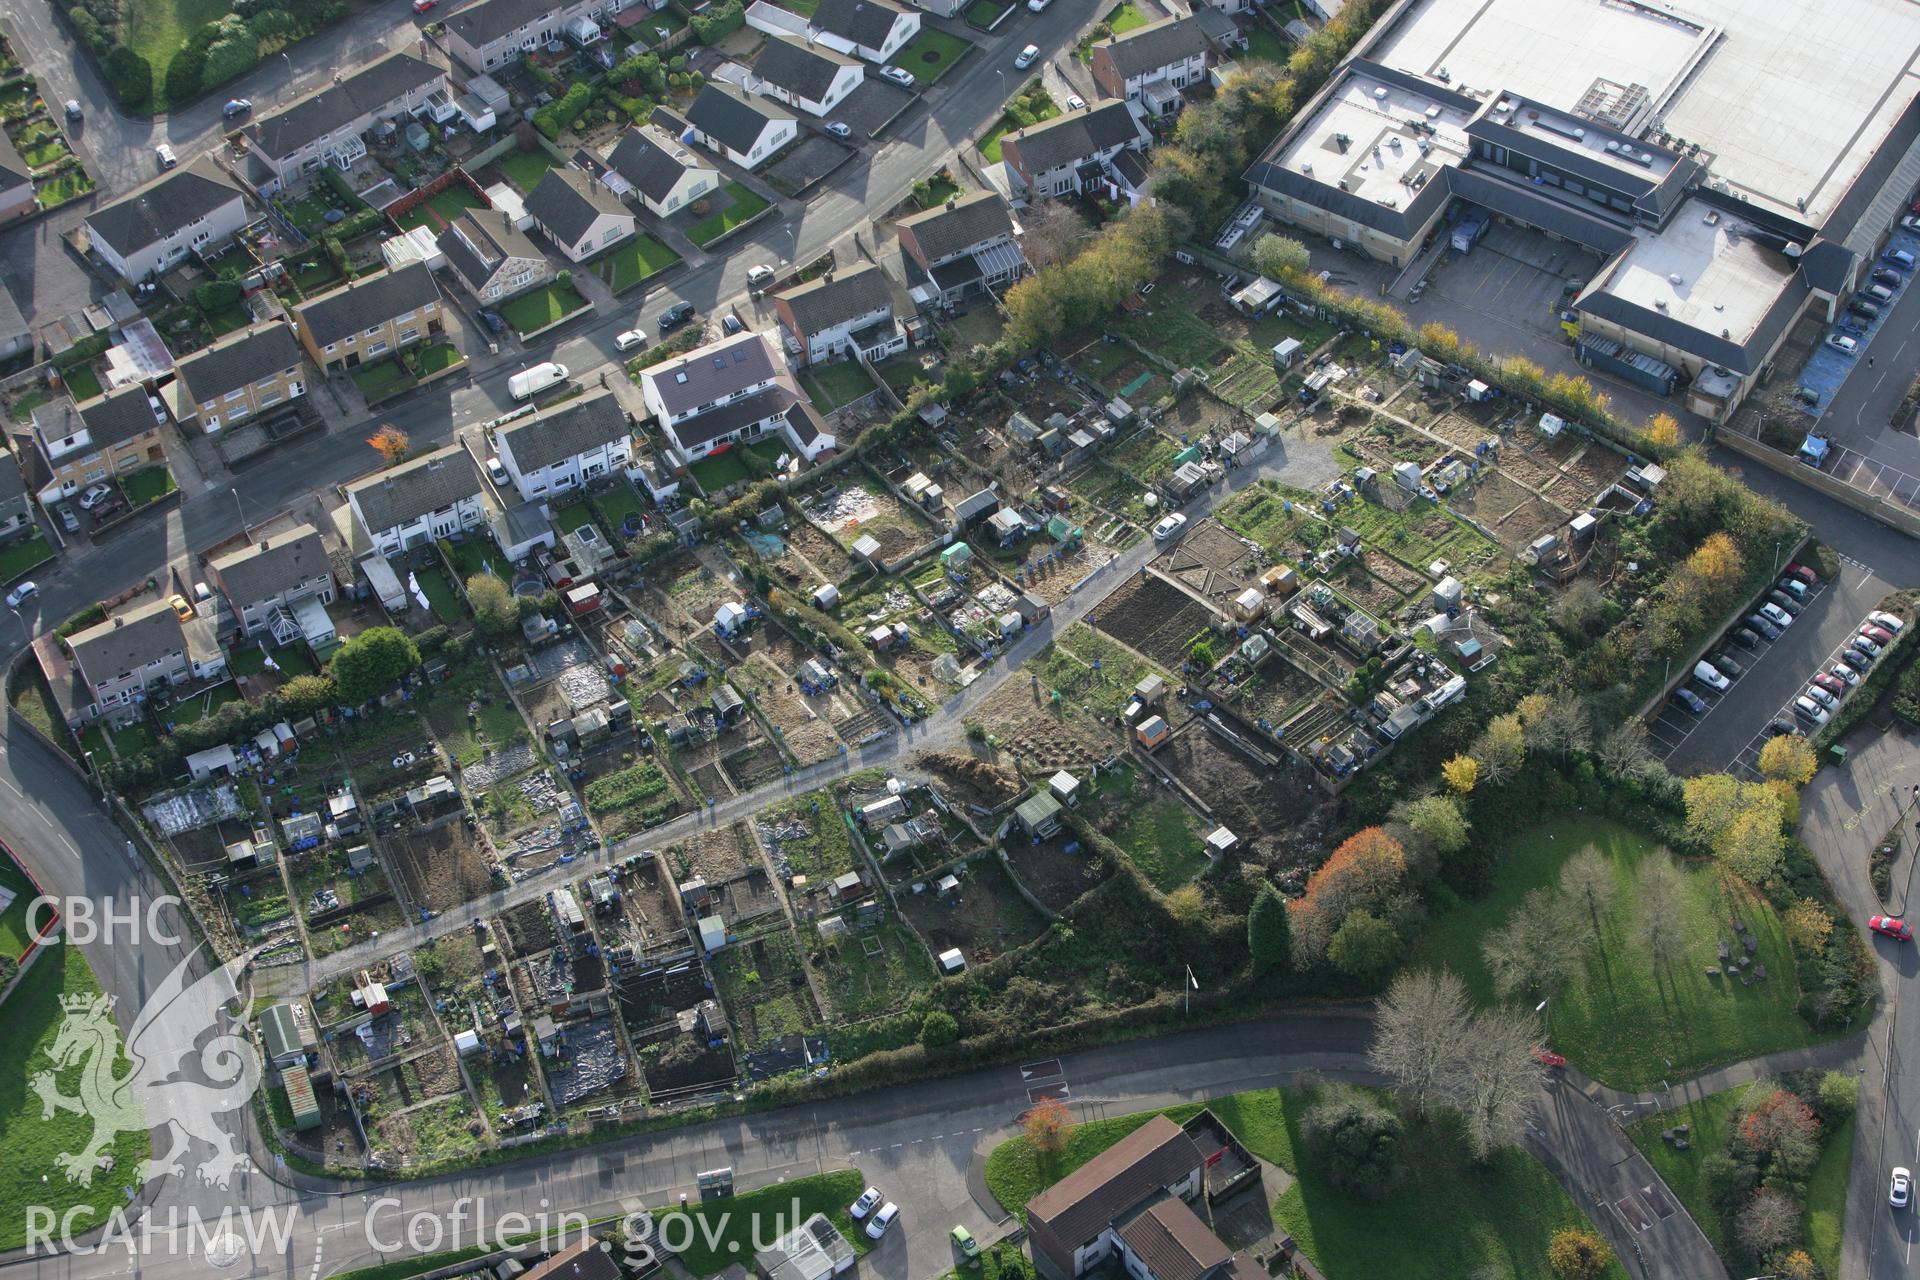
column 1084, row 1203
column 566, row 201
column 264, row 569
column 483, row 23
column 431, row 482
column 805, row 421
column 653, row 160
column 12, row 487
column 959, row 224
column 728, row 418
column 865, row 22
column 373, row 86
column 127, row 641
column 569, row 428
column 479, row 240
column 732, row 117
column 833, row 299
column 119, row 417
column 1174, row 1243
column 14, row 171
column 804, row 70
column 712, row 372
column 369, row 301
column 1156, row 45
column 1073, row 137
column 240, row 360
column 150, row 213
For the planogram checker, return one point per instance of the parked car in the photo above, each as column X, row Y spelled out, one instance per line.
column 1866, row 644
column 629, row 340
column 878, row 1224
column 21, row 594
column 68, row 520
column 1766, row 629
column 164, row 154
column 1899, row 258
column 1844, row 674
column 498, row 474
column 1821, row 697
column 675, row 316
column 1803, row 573
column 159, row 409
column 1727, row 666
column 1076, row 103
column 1707, row 674
column 1792, row 586
column 1888, row 277
column 730, row 324
column 1038, row 6
column 1745, row 637
column 759, row 277
column 1862, row 308
column 1901, row 1191
column 1026, row 56
column 1778, row 616
column 1892, row 927
column 421, row 6
column 1911, row 222
column 1879, row 293
column 1784, row 603
column 1857, row 658
column 1891, row 621
column 94, row 496
column 1845, row 345
column 1879, row 635
column 868, row 1201
column 837, row 129
column 493, row 321
column 236, row 107
column 1831, row 683
column 181, row 609
column 899, row 75
column 73, row 109
column 1780, row 727
column 1810, row 711
column 1168, row 526
column 963, row 1241
column 1688, row 700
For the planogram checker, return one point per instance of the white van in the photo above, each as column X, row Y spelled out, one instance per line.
column 531, row 382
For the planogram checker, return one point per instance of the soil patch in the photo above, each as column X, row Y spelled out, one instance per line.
column 1052, row 875
column 1264, row 807
column 442, row 868
column 1038, row 736
column 985, row 918
column 1153, row 617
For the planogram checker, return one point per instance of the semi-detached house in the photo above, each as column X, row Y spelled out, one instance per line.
column 968, row 246
column 437, row 495
column 494, row 259
column 324, row 127
column 729, row 392
column 1152, row 64
column 664, row 172
column 1067, row 155
column 112, row 436
column 840, row 313
column 371, row 318
column 806, row 76
column 746, row 129
column 875, row 29
column 578, row 213
column 195, row 208
column 266, row 582
column 139, row 652
column 566, row 447
column 495, row 34
column 17, row 198
column 16, row 511
column 240, row 377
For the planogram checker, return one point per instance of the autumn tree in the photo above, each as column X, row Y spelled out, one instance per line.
column 1587, row 881
column 1187, row 905
column 391, row 443
column 494, row 610
column 1716, row 565
column 1442, row 343
column 1576, row 1253
column 1778, row 1121
column 1279, row 257
column 1047, row 1127
column 1663, row 431
column 1541, row 947
column 1624, row 753
column 1417, row 1027
column 1054, row 232
column 1798, row 1265
column 1555, row 724
column 1501, row 748
column 1789, row 758
column 1740, row 823
column 1368, row 865
column 1439, row 819
column 1462, row 773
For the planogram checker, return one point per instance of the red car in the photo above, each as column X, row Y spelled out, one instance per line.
column 1879, row 635
column 1547, row 1057
column 1892, row 927
column 1806, row 575
column 1832, row 684
column 421, row 6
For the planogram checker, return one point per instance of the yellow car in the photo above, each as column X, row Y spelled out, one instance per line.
column 181, row 608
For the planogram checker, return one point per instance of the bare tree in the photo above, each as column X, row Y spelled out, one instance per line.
column 1769, row 1222
column 1580, row 606
column 1661, row 891
column 1417, row 1029
column 1541, row 947
column 1560, row 727
column 1495, row 1079
column 1587, row 880
column 1055, row 232
column 1623, row 753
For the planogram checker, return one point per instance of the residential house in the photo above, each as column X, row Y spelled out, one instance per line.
column 437, row 495
column 806, row 76
column 1152, row 64
column 113, row 436
column 568, row 446
column 494, row 34
column 575, row 210
column 664, row 172
column 372, row 317
column 17, row 198
column 240, row 377
column 16, row 510
column 731, row 392
column 941, row 8
column 324, row 127
column 745, row 128
column 195, row 208
column 265, row 581
column 967, row 246
column 1073, row 152
column 839, row 313
column 875, row 29
column 142, row 650
column 494, row 259
column 1072, row 1224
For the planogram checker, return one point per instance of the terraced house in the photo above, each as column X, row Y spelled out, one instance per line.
column 495, row 34
column 808, row 77
column 1080, row 151
column 195, row 208
column 16, row 182
column 840, row 313
column 967, row 247
column 494, row 259
column 267, row 582
column 371, row 318
column 1152, row 64
column 664, row 172
column 325, row 127
column 744, row 128
column 240, row 377
column 16, row 512
column 437, row 495
column 112, row 436
column 578, row 213
column 139, row 652
column 566, row 447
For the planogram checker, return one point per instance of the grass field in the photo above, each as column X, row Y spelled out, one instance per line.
column 1162, row 838
column 1262, row 514
column 1491, row 1222
column 636, row 260
column 1618, row 1022
column 742, row 206
column 13, row 921
column 1710, row 1118
column 34, row 1018
column 156, row 29
column 547, row 305
column 929, row 57
column 724, row 1231
column 833, row 385
column 1827, row 1199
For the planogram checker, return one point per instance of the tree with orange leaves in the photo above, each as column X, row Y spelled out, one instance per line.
column 1047, row 1128
column 391, row 443
column 1368, row 865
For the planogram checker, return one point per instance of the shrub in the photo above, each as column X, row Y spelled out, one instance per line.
column 88, row 28
column 216, row 295
column 1358, row 1137
column 184, row 73
column 372, row 662
column 719, row 22
column 939, row 1029
column 1575, row 1253
column 131, row 74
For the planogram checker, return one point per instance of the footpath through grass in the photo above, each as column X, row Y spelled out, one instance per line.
column 1492, row 1222
column 34, row 1019
column 1621, row 1019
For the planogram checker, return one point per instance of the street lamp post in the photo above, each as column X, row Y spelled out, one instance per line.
column 242, row 511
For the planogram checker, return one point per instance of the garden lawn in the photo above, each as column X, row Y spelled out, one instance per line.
column 1264, row 46
column 82, row 382
column 718, row 470
column 442, row 209
column 437, row 358
column 473, row 556
column 638, row 259
column 22, row 412
column 742, row 205
column 573, row 516
column 831, row 386
column 133, row 739
column 1489, row 1221
column 13, row 921
column 201, row 705
column 984, row 13
column 156, row 30
column 617, row 504
column 990, row 144
column 149, row 484
column 724, row 1231
column 34, row 1017
column 22, row 554
column 381, row 379
column 929, row 57
column 547, row 305
column 1159, row 837
column 1620, row 1020
column 523, row 168
column 1127, row 17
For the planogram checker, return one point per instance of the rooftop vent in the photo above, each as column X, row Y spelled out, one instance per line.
column 1433, row 112
column 1380, row 93
column 1660, row 304
column 1614, row 147
column 1443, row 75
column 1306, row 167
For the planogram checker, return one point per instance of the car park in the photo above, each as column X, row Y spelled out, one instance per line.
column 1026, row 56
column 1726, row 666
column 1881, row 618
column 899, row 75
column 1773, row 613
column 1844, row 674
column 1857, row 658
column 1745, row 637
column 94, row 496
column 1688, row 700
column 1820, row 697
column 878, row 1224
column 1810, row 711
column 1879, row 635
column 1889, row 277
column 21, row 594
column 1764, row 626
column 1709, row 675
column 1832, row 684
column 1900, row 1191
column 629, row 340
column 1891, row 927
column 1784, row 603
column 1843, row 344
column 1168, row 526
column 1866, row 644
column 68, row 520
column 869, row 1200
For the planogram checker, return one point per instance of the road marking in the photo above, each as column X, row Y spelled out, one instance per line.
column 1043, row 1070
column 70, row 847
